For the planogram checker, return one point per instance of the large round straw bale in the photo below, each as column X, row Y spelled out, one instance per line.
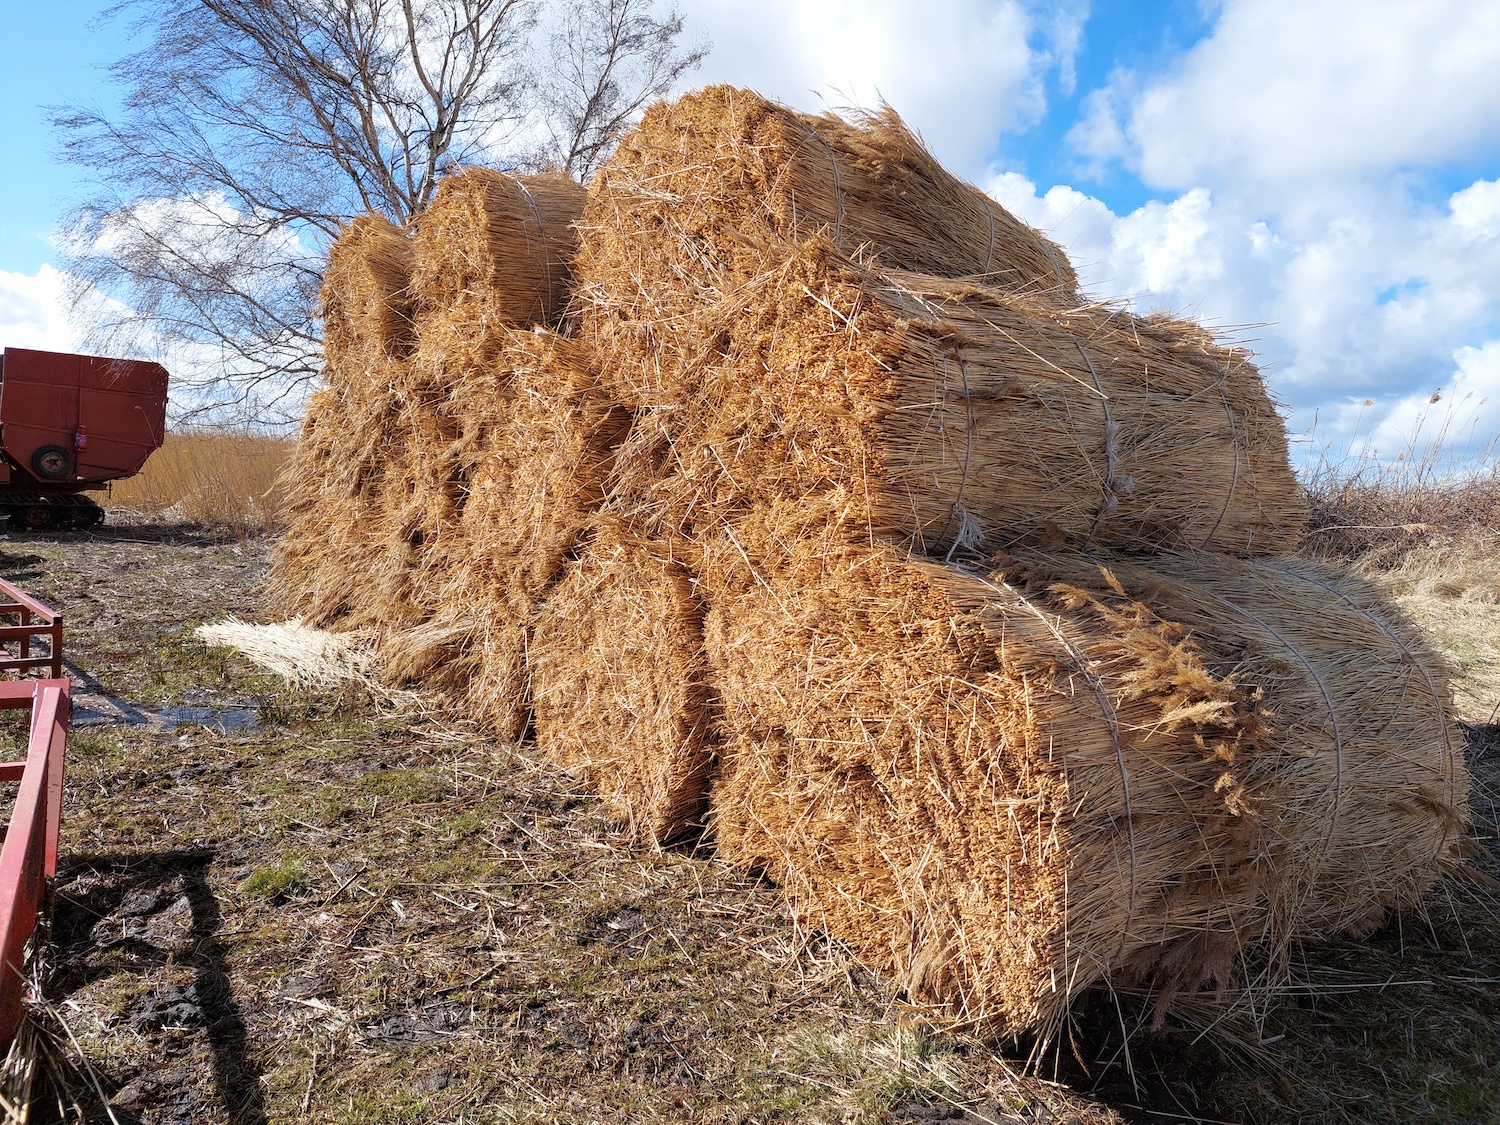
column 947, row 414
column 619, row 687
column 693, row 194
column 366, row 296
column 1004, row 789
column 506, row 242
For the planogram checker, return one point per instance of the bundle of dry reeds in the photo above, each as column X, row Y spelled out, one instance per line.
column 1007, row 787
column 950, row 414
column 366, row 296
column 498, row 245
column 475, row 410
column 716, row 173
column 334, row 483
column 619, row 686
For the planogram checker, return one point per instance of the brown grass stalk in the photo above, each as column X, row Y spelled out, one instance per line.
column 225, row 479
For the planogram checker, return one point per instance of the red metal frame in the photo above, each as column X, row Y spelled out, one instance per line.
column 28, row 858
column 33, row 620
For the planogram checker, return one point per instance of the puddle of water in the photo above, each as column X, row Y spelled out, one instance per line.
column 91, row 708
column 223, row 719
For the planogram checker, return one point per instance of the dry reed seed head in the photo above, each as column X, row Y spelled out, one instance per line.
column 1036, row 782
column 366, row 295
column 619, row 685
column 954, row 415
column 507, row 239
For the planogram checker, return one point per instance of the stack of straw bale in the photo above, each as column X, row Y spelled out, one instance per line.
column 468, row 398
column 787, row 486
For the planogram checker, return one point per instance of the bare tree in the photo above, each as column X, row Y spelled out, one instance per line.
column 609, row 58
column 251, row 129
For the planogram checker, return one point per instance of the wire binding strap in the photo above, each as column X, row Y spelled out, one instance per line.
column 1111, row 500
column 546, row 249
column 1111, row 719
column 969, row 532
column 1234, row 477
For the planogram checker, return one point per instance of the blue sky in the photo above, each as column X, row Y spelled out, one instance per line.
column 48, row 56
column 1327, row 171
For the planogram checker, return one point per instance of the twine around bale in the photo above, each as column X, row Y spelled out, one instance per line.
column 540, row 226
column 1110, row 503
column 1408, row 654
column 1111, row 720
column 1234, row 474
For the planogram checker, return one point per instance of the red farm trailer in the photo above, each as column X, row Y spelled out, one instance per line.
column 70, row 424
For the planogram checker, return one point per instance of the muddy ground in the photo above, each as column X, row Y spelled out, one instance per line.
column 288, row 906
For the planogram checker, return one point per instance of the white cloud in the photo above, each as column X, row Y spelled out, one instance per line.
column 1476, row 209
column 1365, row 306
column 1299, row 141
column 34, row 311
column 1293, row 92
column 960, row 72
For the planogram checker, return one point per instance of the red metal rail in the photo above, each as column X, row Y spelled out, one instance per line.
column 28, row 858
column 33, row 620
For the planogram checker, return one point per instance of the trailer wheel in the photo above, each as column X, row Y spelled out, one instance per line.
column 35, row 517
column 52, row 462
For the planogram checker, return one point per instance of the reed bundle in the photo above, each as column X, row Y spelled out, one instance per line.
column 949, row 414
column 619, row 687
column 499, row 245
column 1005, row 788
column 366, row 296
column 714, row 174
column 334, row 484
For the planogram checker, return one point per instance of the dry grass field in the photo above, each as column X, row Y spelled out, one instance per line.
column 221, row 479
column 284, row 905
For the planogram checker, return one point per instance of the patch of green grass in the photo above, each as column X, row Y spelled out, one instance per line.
column 419, row 787
column 279, row 881
column 462, row 827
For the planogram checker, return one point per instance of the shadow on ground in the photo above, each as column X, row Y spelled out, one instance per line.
column 151, row 922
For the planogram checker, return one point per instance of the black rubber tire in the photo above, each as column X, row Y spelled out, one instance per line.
column 52, row 462
column 38, row 517
column 85, row 518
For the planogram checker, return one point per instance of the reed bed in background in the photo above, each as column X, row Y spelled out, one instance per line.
column 224, row 479
column 1441, row 490
column 1382, row 511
